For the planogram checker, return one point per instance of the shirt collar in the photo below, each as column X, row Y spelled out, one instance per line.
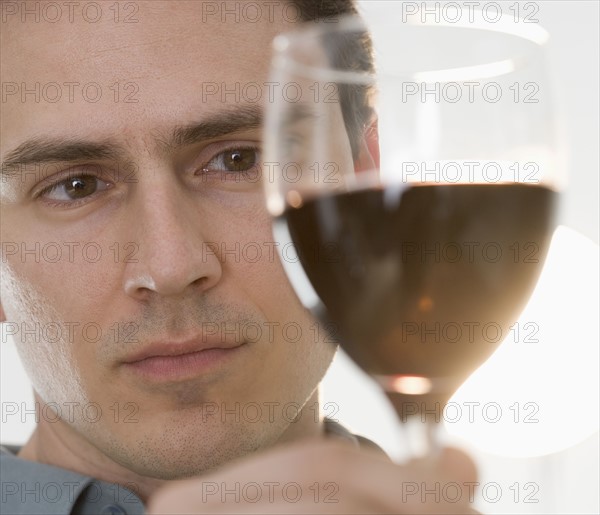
column 30, row 487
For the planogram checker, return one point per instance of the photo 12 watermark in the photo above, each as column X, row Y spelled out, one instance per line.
column 491, row 492
column 270, row 492
column 476, row 12
column 70, row 92
column 28, row 11
column 67, row 492
column 70, row 411
column 471, row 412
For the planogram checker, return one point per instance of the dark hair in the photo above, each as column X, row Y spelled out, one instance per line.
column 356, row 53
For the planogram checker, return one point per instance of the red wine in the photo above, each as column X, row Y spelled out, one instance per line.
column 424, row 280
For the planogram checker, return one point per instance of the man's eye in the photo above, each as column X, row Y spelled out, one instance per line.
column 234, row 160
column 74, row 188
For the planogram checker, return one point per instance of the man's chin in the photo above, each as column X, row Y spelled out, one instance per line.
column 171, row 453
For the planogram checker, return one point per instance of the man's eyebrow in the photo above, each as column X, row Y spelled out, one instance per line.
column 53, row 150
column 229, row 122
column 50, row 150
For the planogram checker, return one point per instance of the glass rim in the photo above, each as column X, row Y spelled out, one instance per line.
column 534, row 34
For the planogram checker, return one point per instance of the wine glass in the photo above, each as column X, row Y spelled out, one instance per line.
column 419, row 197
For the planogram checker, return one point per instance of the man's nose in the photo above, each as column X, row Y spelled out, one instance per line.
column 173, row 252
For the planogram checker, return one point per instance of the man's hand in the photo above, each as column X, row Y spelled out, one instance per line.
column 325, row 476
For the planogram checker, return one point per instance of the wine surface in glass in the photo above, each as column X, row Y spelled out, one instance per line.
column 423, row 280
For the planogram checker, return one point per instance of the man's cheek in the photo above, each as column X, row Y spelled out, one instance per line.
column 265, row 281
column 57, row 266
column 20, row 299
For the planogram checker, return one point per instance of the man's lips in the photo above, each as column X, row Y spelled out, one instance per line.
column 165, row 348
column 165, row 361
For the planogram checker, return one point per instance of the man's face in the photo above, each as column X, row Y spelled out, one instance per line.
column 141, row 233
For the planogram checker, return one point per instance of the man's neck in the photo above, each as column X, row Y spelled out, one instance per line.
column 60, row 445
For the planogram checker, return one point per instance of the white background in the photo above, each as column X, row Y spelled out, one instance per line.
column 567, row 480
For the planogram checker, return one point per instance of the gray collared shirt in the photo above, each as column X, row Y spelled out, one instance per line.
column 28, row 487
column 32, row 488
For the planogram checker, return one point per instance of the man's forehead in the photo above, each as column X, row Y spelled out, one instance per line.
column 163, row 36
column 175, row 64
